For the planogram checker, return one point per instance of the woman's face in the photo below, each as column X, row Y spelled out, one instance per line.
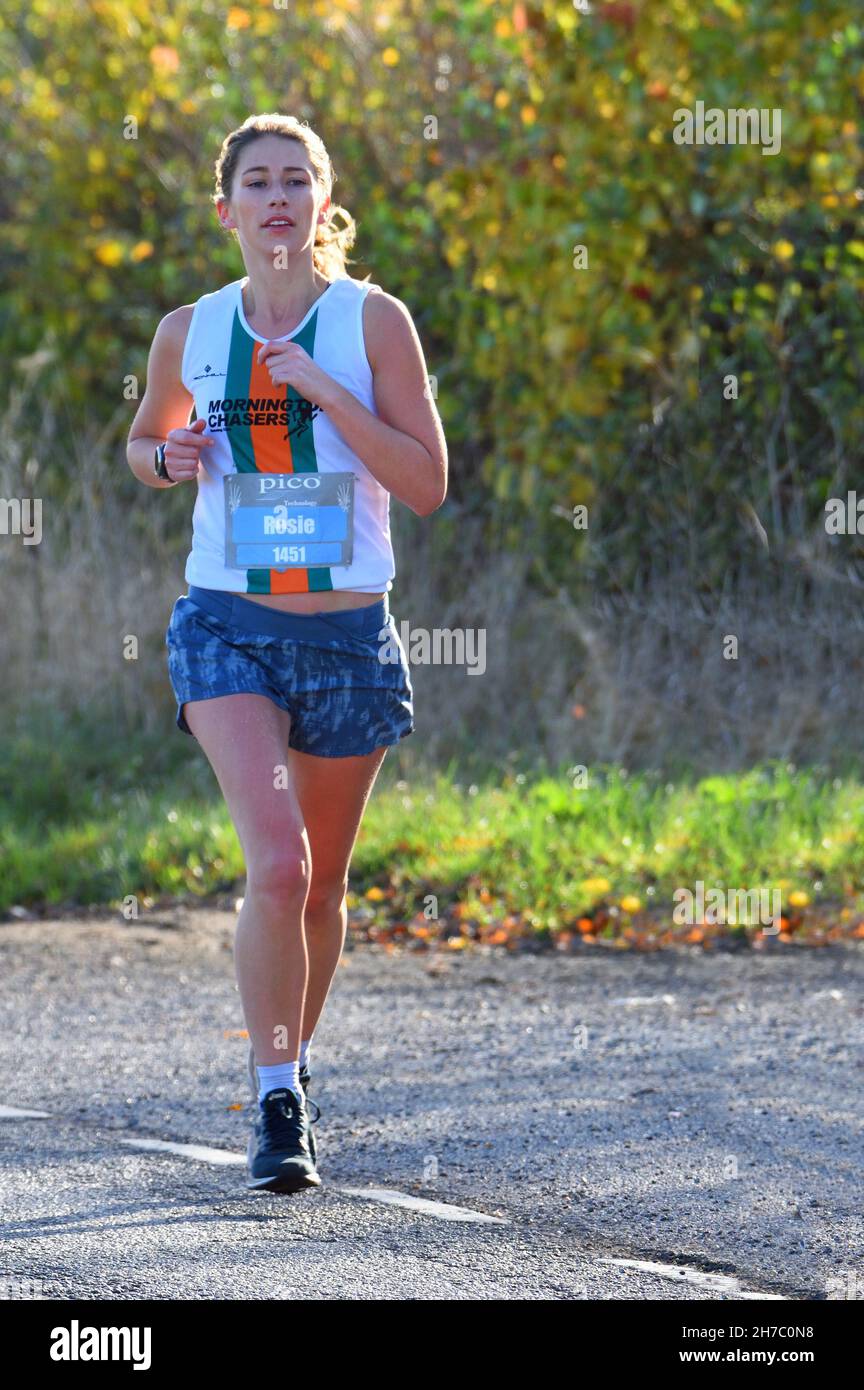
column 274, row 180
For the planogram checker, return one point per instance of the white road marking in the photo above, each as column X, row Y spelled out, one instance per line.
column 441, row 1209
column 724, row 1283
column 196, row 1151
column 635, row 1001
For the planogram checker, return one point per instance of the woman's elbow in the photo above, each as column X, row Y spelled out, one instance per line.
column 428, row 507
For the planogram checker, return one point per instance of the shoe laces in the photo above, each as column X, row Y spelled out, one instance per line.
column 282, row 1124
column 313, row 1119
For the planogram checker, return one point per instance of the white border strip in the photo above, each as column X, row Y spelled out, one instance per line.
column 441, row 1209
column 682, row 1274
column 197, row 1151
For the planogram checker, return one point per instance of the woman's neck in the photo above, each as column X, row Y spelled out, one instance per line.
column 278, row 307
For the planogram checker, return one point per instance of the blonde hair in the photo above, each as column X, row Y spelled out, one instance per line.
column 329, row 254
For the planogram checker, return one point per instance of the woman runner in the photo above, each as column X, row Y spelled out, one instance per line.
column 297, row 399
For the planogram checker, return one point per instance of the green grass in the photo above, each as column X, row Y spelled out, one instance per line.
column 551, row 850
column 85, row 819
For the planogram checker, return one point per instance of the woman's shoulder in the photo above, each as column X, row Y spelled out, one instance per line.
column 175, row 324
column 384, row 308
column 388, row 327
column 180, row 315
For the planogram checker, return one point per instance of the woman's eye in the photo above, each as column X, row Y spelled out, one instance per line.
column 258, row 183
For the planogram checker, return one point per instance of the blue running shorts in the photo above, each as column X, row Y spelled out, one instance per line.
column 323, row 668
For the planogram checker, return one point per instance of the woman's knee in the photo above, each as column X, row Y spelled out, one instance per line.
column 326, row 896
column 282, row 872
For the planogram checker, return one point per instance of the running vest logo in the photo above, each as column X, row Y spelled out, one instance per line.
column 208, row 374
column 295, row 415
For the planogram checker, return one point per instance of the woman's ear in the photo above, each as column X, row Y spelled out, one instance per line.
column 222, row 212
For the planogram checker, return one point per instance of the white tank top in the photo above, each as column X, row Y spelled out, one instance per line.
column 262, row 428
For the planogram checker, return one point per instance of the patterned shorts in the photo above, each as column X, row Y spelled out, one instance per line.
column 323, row 668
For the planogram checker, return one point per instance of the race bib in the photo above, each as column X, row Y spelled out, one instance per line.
column 288, row 520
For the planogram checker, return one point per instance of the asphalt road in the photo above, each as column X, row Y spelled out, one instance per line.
column 672, row 1126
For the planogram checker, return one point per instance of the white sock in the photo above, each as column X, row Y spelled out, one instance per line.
column 304, row 1053
column 284, row 1074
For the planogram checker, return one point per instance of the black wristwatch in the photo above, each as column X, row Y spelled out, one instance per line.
column 160, row 469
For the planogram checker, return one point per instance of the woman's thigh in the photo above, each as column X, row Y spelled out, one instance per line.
column 245, row 738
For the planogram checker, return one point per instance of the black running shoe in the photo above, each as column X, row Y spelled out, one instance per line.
column 278, row 1156
column 305, row 1078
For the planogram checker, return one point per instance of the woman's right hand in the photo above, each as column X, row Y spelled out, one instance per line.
column 183, row 451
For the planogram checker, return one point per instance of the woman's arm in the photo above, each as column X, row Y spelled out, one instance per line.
column 165, row 403
column 404, row 446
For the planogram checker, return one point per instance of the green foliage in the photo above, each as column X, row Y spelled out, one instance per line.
column 558, row 386
column 537, row 844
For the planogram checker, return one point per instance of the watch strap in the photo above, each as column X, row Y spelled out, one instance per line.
column 159, row 464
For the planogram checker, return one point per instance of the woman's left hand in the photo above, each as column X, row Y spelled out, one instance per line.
column 290, row 365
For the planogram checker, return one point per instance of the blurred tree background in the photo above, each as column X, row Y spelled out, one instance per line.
column 558, row 385
column 478, row 146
